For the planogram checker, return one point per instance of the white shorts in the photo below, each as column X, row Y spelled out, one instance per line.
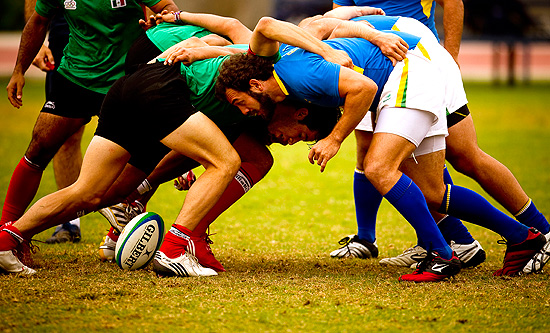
column 412, row 125
column 455, row 96
column 446, row 72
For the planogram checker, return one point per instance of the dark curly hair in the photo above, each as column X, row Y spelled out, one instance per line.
column 237, row 71
column 319, row 118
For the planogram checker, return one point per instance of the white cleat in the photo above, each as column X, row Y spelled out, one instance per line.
column 10, row 264
column 470, row 255
column 540, row 259
column 107, row 249
column 185, row 265
column 409, row 258
column 120, row 214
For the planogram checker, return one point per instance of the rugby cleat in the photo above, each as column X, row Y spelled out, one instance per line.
column 470, row 255
column 200, row 248
column 354, row 247
column 540, row 259
column 120, row 214
column 518, row 255
column 185, row 265
column 409, row 258
column 107, row 249
column 10, row 264
column 433, row 269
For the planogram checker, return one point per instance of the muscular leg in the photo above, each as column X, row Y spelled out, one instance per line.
column 367, row 198
column 67, row 162
column 200, row 139
column 466, row 157
column 49, row 134
column 103, row 162
column 382, row 163
column 66, row 167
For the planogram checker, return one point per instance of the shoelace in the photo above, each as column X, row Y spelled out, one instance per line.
column 345, row 241
column 132, row 210
column 194, row 261
column 424, row 263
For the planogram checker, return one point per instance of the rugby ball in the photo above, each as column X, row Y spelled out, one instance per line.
column 138, row 242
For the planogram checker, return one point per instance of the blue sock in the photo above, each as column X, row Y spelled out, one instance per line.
column 530, row 216
column 472, row 207
column 407, row 198
column 453, row 229
column 447, row 176
column 367, row 202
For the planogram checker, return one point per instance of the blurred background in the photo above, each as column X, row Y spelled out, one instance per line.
column 504, row 41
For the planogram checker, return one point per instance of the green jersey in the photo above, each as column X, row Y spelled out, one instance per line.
column 101, row 32
column 165, row 34
column 201, row 78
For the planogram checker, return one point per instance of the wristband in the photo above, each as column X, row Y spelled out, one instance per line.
column 177, row 19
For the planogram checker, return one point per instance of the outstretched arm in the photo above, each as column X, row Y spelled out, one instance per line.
column 269, row 32
column 220, row 25
column 358, row 91
column 453, row 23
column 349, row 12
column 391, row 45
column 32, row 39
column 194, row 49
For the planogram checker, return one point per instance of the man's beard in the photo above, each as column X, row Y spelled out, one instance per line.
column 266, row 103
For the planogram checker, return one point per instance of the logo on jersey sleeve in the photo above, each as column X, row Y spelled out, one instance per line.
column 118, row 3
column 70, row 4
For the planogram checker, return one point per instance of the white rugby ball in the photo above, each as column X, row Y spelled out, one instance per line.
column 138, row 242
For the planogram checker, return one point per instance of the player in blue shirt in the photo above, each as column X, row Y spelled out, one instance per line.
column 463, row 153
column 423, row 11
column 410, row 120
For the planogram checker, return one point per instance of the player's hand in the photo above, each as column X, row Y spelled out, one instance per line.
column 44, row 59
column 15, row 90
column 339, row 57
column 323, row 151
column 392, row 46
column 151, row 22
column 367, row 10
column 165, row 16
column 184, row 182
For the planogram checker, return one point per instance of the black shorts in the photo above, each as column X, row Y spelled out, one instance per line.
column 57, row 40
column 141, row 52
column 143, row 108
column 68, row 99
column 457, row 116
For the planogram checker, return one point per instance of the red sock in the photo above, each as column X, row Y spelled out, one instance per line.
column 112, row 234
column 22, row 189
column 246, row 177
column 10, row 237
column 175, row 241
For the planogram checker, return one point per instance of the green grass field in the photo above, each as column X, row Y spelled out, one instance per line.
column 275, row 243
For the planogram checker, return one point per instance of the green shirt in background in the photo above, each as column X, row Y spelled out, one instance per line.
column 101, row 32
column 166, row 35
column 201, row 79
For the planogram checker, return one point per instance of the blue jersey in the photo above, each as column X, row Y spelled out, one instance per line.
column 307, row 76
column 379, row 22
column 421, row 10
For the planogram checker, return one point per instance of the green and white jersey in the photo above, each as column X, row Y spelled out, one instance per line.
column 101, row 32
column 201, row 78
column 165, row 34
